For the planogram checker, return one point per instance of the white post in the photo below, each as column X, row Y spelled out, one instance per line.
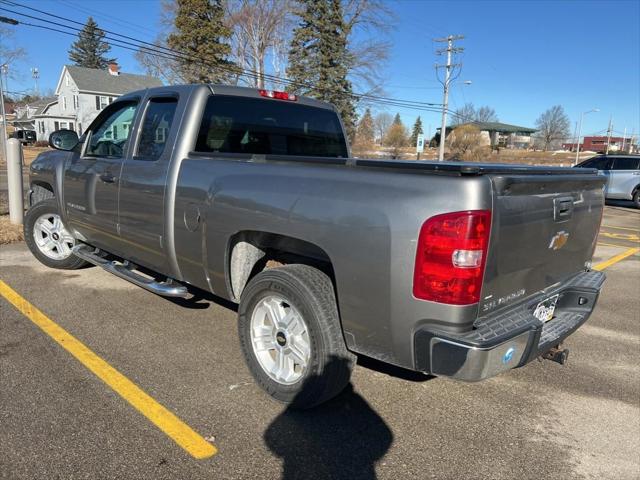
column 14, row 181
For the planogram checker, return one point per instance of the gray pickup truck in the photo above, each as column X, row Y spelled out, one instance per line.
column 452, row 269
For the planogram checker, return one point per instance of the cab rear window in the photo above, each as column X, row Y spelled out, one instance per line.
column 269, row 127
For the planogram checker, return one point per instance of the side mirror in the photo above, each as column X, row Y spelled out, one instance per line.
column 63, row 140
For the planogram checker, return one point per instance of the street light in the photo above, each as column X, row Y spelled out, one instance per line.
column 580, row 133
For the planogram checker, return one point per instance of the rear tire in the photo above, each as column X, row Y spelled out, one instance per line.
column 291, row 336
column 636, row 198
column 47, row 237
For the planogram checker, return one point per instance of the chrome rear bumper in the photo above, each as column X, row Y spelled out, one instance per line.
column 510, row 338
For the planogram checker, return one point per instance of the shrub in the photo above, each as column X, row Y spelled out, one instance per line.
column 465, row 144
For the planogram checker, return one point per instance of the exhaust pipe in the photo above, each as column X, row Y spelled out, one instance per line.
column 557, row 354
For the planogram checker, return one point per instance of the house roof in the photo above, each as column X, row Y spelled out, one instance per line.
column 101, row 81
column 497, row 127
column 39, row 105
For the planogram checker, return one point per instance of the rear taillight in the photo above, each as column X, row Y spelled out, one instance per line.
column 278, row 95
column 450, row 259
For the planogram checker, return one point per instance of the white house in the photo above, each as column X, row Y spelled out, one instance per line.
column 81, row 94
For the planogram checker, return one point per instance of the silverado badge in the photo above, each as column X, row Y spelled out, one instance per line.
column 558, row 240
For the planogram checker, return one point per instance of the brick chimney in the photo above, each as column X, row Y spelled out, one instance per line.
column 114, row 68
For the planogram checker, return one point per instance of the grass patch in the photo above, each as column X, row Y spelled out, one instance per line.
column 9, row 233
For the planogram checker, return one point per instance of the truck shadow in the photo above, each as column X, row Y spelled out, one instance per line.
column 392, row 370
column 340, row 439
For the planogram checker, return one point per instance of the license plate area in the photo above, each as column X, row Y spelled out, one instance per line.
column 545, row 309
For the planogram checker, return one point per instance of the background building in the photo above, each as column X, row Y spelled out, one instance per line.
column 81, row 93
column 599, row 144
column 502, row 135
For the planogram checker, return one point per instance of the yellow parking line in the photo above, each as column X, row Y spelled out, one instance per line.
column 616, row 259
column 162, row 418
column 622, row 228
column 612, row 245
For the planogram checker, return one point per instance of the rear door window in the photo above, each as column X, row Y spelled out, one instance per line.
column 156, row 125
column 625, row 163
column 269, row 127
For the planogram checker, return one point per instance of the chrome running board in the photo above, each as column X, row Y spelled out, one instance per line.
column 126, row 271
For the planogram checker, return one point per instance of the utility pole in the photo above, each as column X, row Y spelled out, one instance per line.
column 624, row 138
column 608, row 135
column 3, row 132
column 451, row 49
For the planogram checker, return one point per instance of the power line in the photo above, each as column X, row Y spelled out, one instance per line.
column 127, row 42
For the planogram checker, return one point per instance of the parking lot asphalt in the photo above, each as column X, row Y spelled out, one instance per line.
column 59, row 420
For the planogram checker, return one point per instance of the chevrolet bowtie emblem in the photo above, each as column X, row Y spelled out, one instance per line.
column 558, row 240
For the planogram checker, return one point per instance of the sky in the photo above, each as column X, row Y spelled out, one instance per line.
column 521, row 57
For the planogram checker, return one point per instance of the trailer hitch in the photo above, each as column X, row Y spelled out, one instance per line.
column 557, row 354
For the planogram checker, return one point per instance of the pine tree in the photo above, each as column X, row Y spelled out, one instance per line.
column 319, row 60
column 202, row 39
column 417, row 130
column 364, row 132
column 90, row 48
column 397, row 120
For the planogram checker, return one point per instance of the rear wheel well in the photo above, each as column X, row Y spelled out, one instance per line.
column 251, row 252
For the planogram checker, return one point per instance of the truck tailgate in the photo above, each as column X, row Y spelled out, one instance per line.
column 544, row 230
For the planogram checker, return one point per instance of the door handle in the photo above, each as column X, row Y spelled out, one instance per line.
column 107, row 178
column 562, row 208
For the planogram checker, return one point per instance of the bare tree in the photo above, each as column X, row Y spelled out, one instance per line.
column 464, row 114
column 367, row 23
column 396, row 138
column 381, row 124
column 9, row 53
column 553, row 127
column 486, row 114
column 158, row 61
column 260, row 32
column 469, row 114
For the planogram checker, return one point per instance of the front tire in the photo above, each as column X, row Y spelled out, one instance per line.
column 47, row 237
column 636, row 198
column 291, row 337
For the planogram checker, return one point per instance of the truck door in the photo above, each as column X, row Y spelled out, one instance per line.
column 91, row 176
column 623, row 177
column 143, row 180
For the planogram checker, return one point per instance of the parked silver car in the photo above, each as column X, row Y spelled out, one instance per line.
column 623, row 175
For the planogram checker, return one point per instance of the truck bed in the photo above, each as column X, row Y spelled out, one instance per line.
column 418, row 166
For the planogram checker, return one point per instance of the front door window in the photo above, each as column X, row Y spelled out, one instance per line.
column 108, row 138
